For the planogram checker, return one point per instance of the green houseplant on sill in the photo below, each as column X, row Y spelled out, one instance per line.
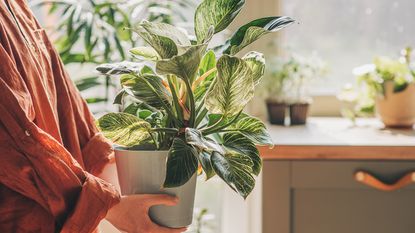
column 286, row 87
column 385, row 87
column 186, row 113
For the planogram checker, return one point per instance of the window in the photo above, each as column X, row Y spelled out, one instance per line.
column 348, row 33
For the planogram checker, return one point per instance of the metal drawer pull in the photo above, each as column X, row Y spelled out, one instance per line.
column 371, row 181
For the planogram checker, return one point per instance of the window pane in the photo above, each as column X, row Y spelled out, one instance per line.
column 348, row 33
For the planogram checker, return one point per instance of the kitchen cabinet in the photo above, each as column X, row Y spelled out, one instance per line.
column 332, row 177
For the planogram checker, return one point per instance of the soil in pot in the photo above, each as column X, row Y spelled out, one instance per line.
column 397, row 110
column 143, row 172
column 299, row 113
column 276, row 112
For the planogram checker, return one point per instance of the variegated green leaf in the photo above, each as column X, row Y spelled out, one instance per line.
column 194, row 137
column 165, row 45
column 233, row 88
column 132, row 109
column 120, row 97
column 256, row 62
column 184, row 66
column 217, row 13
column 178, row 36
column 238, row 143
column 252, row 31
column 253, row 129
column 147, row 70
column 205, row 161
column 166, row 39
column 235, row 169
column 124, row 129
column 181, row 164
column 124, row 67
column 147, row 88
column 145, row 53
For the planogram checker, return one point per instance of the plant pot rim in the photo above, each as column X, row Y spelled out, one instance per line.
column 270, row 101
column 120, row 148
column 300, row 104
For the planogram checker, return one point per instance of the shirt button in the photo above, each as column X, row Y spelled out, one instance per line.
column 27, row 133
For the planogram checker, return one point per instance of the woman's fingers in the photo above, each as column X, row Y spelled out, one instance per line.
column 161, row 199
column 160, row 229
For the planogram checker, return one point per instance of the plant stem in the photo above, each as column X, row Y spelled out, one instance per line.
column 179, row 110
column 192, row 103
column 203, row 77
column 212, row 127
column 155, row 141
column 200, row 117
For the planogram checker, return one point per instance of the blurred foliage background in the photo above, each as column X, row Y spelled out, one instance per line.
column 92, row 32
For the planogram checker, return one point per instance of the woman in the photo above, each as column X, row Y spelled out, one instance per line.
column 51, row 154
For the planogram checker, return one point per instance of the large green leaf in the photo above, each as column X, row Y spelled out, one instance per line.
column 184, row 66
column 147, row 88
column 217, row 13
column 240, row 144
column 164, row 46
column 178, row 36
column 235, row 169
column 181, row 164
column 205, row 161
column 166, row 39
column 124, row 129
column 233, row 87
column 252, row 31
column 194, row 137
column 253, row 129
column 256, row 62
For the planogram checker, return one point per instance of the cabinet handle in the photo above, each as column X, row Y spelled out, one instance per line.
column 371, row 181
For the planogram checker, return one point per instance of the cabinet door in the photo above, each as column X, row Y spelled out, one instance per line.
column 324, row 197
column 352, row 211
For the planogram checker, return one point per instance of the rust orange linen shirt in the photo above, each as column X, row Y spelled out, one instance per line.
column 50, row 149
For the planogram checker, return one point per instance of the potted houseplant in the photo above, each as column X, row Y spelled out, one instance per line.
column 287, row 87
column 276, row 88
column 386, row 87
column 186, row 112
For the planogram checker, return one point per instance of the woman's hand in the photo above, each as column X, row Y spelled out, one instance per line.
column 131, row 214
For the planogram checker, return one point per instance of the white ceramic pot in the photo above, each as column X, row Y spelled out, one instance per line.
column 143, row 172
column 397, row 109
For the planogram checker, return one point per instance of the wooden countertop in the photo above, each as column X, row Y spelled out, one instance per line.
column 337, row 138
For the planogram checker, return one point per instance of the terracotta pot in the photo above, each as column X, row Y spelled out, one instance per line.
column 299, row 113
column 143, row 172
column 276, row 112
column 397, row 109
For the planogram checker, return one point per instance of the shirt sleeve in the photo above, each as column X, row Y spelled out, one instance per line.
column 95, row 148
column 36, row 165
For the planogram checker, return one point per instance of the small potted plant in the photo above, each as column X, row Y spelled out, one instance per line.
column 287, row 87
column 385, row 87
column 186, row 114
column 276, row 88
